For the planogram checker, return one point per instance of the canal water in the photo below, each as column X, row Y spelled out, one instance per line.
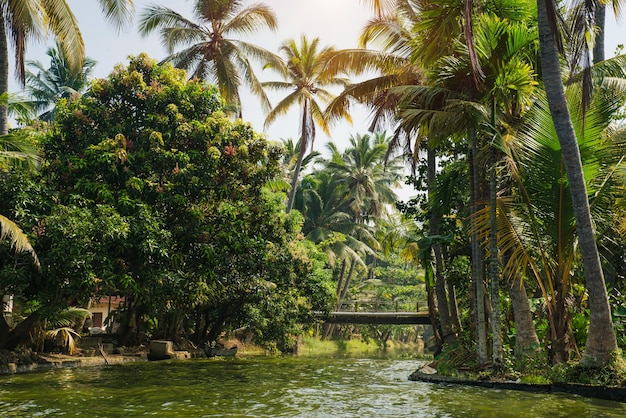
column 273, row 387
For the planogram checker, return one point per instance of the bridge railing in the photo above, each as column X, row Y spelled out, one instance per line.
column 381, row 306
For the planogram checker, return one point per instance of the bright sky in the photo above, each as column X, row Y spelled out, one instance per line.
column 337, row 23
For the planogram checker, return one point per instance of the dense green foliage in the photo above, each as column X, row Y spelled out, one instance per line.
column 153, row 194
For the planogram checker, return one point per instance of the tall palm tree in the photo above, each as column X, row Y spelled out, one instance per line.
column 48, row 85
column 307, row 80
column 540, row 226
column 601, row 340
column 212, row 49
column 21, row 20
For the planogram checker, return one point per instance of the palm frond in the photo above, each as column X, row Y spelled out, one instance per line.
column 19, row 241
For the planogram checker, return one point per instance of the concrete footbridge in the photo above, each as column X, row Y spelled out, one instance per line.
column 385, row 318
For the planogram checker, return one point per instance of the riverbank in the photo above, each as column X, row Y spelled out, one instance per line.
column 60, row 361
column 27, row 361
column 610, row 393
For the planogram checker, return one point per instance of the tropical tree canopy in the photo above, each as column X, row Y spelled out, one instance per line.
column 167, row 200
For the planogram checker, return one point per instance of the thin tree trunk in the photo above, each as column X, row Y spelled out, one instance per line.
column 560, row 326
column 304, row 144
column 447, row 331
column 346, row 285
column 342, row 291
column 432, row 312
column 454, row 308
column 296, row 175
column 601, row 341
column 477, row 260
column 340, row 280
column 497, row 354
column 4, row 74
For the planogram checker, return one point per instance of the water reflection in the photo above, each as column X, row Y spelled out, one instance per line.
column 273, row 387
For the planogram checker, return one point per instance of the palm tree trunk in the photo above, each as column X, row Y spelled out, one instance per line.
column 454, row 308
column 601, row 341
column 304, row 144
column 329, row 329
column 560, row 327
column 445, row 322
column 346, row 286
column 4, row 74
column 497, row 354
column 600, row 21
column 477, row 259
column 454, row 305
column 296, row 175
column 526, row 340
column 342, row 275
column 432, row 312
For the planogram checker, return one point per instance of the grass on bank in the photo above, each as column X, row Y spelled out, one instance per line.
column 460, row 362
column 313, row 346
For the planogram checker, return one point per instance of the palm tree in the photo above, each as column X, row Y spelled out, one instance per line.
column 380, row 7
column 23, row 20
column 368, row 182
column 397, row 66
column 537, row 225
column 307, row 79
column 391, row 66
column 211, row 50
column 58, row 81
column 17, row 149
column 330, row 224
column 601, row 340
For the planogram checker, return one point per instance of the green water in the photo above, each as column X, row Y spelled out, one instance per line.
column 272, row 387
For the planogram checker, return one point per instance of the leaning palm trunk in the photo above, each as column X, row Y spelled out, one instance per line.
column 601, row 341
column 296, row 175
column 343, row 284
column 304, row 144
column 526, row 340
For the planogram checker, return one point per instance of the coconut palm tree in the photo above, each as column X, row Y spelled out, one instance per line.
column 601, row 340
column 214, row 48
column 537, row 227
column 48, row 85
column 307, row 80
column 23, row 20
column 368, row 182
column 388, row 67
column 398, row 65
